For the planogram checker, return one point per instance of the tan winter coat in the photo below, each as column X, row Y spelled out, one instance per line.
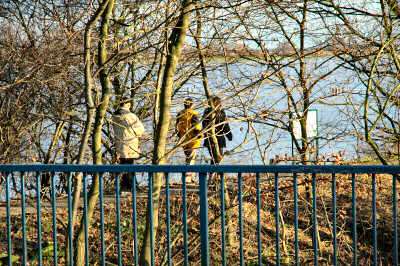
column 127, row 130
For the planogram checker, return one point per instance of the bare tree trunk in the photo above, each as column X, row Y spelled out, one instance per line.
column 45, row 178
column 90, row 113
column 158, row 93
column 214, row 147
column 177, row 40
column 96, row 142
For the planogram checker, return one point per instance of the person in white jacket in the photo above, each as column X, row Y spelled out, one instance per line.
column 127, row 131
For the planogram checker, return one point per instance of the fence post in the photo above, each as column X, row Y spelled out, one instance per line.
column 24, row 253
column 8, row 200
column 396, row 251
column 205, row 257
column 39, row 218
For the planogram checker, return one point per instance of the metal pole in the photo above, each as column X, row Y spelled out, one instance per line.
column 205, row 256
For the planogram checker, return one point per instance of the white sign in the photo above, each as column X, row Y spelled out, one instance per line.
column 311, row 125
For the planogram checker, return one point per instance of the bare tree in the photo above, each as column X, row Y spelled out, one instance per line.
column 365, row 38
column 177, row 39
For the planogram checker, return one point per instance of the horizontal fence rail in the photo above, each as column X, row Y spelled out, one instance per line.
column 233, row 214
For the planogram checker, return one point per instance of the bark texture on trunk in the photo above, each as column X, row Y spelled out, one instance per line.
column 98, row 125
column 176, row 42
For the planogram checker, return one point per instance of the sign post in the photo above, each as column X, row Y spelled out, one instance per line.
column 312, row 128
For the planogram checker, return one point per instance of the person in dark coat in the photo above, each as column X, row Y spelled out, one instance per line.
column 215, row 117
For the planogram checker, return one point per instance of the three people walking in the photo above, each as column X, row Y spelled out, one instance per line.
column 128, row 129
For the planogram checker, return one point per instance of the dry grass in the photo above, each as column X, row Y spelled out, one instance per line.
column 267, row 215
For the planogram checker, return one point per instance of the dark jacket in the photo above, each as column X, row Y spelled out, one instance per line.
column 222, row 128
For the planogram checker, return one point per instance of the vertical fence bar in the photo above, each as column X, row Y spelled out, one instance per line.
column 354, row 214
column 185, row 243
column 168, row 218
column 85, row 202
column 315, row 225
column 296, row 221
column 334, row 218
column 258, row 220
column 240, row 218
column 375, row 240
column 101, row 192
column 54, row 212
column 24, row 253
column 9, row 247
column 205, row 256
column 39, row 218
column 151, row 219
column 223, row 245
column 117, row 199
column 277, row 239
column 70, row 225
column 396, row 245
column 134, row 222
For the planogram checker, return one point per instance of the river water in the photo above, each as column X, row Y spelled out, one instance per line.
column 336, row 98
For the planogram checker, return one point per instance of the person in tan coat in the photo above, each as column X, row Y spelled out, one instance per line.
column 127, row 131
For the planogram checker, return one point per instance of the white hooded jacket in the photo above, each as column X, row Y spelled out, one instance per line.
column 127, row 130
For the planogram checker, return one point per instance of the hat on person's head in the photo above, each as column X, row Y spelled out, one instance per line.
column 124, row 100
column 216, row 100
column 188, row 102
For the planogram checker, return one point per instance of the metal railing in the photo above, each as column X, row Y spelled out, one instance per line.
column 292, row 175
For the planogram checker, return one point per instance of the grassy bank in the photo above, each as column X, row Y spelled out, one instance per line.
column 267, row 213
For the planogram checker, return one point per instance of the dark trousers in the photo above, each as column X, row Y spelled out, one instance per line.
column 126, row 181
column 214, row 159
column 190, row 155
